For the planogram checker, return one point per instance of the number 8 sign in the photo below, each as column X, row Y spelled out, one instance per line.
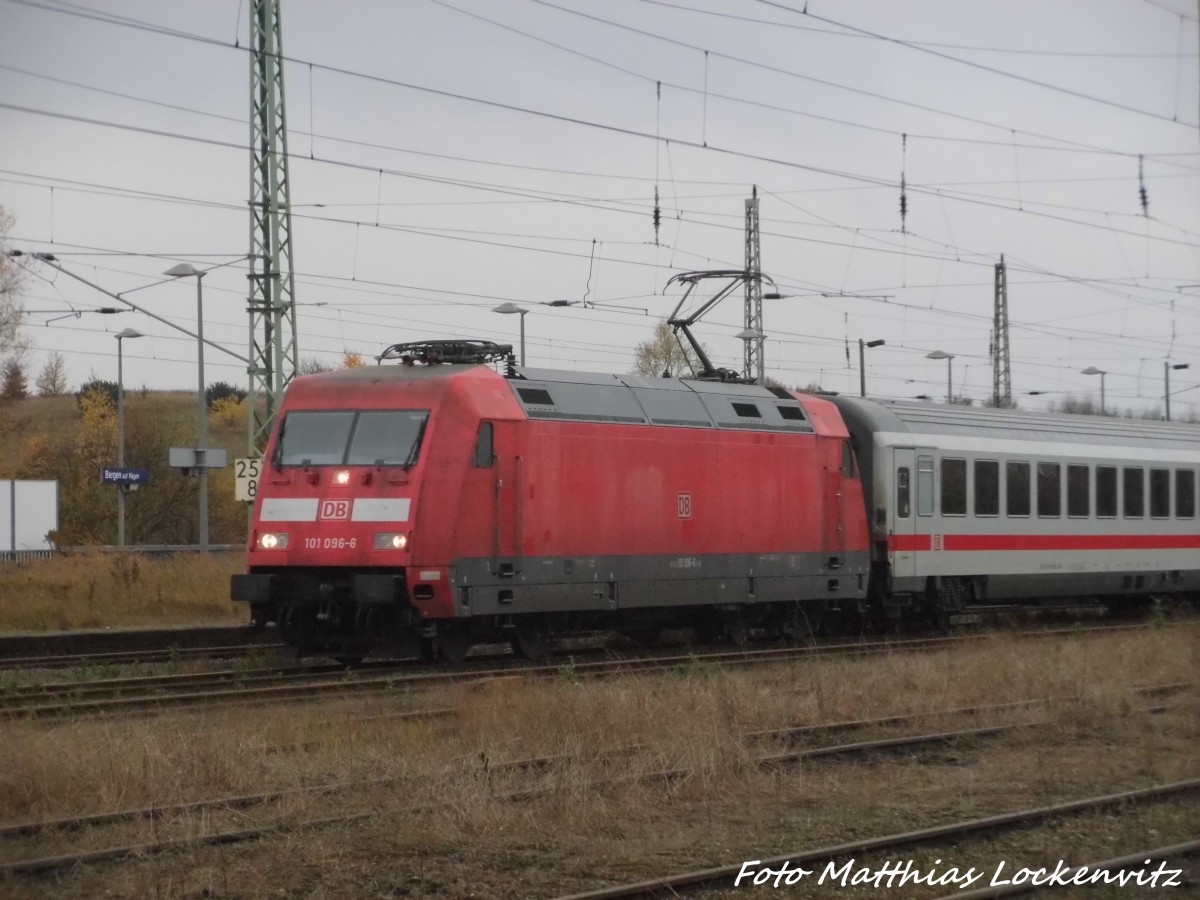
column 246, row 478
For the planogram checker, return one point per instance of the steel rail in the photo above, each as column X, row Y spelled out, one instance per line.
column 134, row 657
column 723, row 876
column 54, row 650
column 1174, row 851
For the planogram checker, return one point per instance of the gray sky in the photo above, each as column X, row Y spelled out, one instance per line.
column 511, row 151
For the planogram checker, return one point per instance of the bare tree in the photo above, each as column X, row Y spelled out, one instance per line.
column 13, row 344
column 663, row 355
column 310, row 365
column 52, row 380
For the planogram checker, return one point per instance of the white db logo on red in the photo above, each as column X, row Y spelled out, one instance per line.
column 685, row 506
column 334, row 509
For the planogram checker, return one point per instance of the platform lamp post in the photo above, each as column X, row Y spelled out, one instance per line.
column 1092, row 370
column 121, row 488
column 186, row 270
column 1167, row 367
column 862, row 363
column 949, row 358
column 508, row 309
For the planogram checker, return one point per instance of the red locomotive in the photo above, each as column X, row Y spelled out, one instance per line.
column 427, row 506
column 423, row 507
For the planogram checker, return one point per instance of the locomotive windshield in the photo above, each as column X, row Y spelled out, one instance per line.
column 364, row 437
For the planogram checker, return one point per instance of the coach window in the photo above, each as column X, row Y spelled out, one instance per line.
column 1185, row 494
column 1049, row 490
column 484, row 452
column 1106, row 492
column 1017, row 493
column 1135, row 493
column 1160, row 493
column 954, row 487
column 1079, row 499
column 987, row 487
column 902, row 493
column 924, row 485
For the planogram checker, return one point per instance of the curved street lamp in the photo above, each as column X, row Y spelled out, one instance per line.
column 186, row 270
column 1092, row 370
column 949, row 358
column 508, row 309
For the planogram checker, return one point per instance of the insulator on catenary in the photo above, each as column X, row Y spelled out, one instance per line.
column 1145, row 197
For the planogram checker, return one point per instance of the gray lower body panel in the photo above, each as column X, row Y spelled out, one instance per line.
column 610, row 584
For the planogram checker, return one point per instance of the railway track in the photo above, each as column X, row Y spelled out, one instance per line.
column 160, row 693
column 140, row 646
column 958, row 833
column 12, row 834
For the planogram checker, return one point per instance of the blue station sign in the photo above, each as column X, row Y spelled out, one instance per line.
column 114, row 475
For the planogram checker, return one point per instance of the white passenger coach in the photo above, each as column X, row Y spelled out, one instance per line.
column 972, row 505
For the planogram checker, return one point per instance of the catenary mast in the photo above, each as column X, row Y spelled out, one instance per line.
column 272, row 307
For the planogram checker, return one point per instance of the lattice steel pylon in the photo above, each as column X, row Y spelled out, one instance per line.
column 272, row 307
column 1001, row 360
column 753, row 335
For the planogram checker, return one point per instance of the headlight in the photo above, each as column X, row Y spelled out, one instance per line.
column 272, row 540
column 342, row 477
column 390, row 540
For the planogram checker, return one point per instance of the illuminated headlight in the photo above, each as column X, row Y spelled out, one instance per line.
column 391, row 541
column 272, row 540
column 342, row 477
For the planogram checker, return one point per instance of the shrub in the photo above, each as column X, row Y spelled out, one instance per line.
column 219, row 390
column 229, row 411
column 105, row 388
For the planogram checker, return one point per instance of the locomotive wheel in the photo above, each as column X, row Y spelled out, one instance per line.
column 737, row 631
column 452, row 645
column 530, row 641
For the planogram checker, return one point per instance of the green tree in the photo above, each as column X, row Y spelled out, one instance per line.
column 664, row 354
column 12, row 382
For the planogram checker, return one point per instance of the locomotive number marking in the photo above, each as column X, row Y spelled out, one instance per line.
column 330, row 543
column 684, row 506
column 334, row 509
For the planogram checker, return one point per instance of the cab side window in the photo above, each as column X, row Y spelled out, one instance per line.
column 484, row 451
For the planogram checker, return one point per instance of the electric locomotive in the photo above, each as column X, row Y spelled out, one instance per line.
column 422, row 507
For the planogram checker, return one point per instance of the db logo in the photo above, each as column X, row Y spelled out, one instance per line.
column 334, row 509
column 685, row 506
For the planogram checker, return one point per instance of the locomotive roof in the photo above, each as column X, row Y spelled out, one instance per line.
column 898, row 416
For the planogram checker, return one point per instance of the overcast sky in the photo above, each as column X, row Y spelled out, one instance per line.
column 450, row 156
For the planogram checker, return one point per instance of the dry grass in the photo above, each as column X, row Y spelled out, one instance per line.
column 595, row 823
column 100, row 590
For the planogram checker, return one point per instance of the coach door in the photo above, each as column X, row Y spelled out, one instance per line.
column 902, row 519
column 507, row 538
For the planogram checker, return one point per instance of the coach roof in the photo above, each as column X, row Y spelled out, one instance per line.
column 898, row 416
